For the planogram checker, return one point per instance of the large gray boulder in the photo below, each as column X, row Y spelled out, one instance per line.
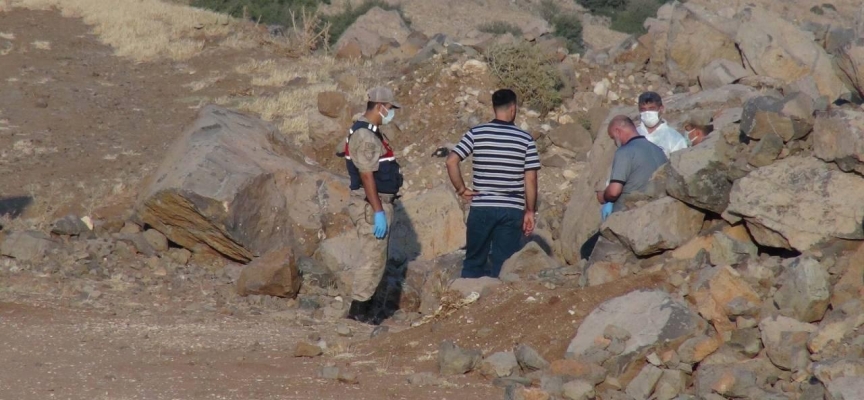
column 799, row 202
column 26, row 245
column 374, row 29
column 650, row 317
column 662, row 224
column 428, row 225
column 790, row 118
column 721, row 72
column 838, row 138
column 695, row 38
column 775, row 47
column 785, row 341
column 230, row 185
column 699, row 175
column 805, row 290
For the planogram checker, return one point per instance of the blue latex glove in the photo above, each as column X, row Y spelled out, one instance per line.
column 380, row 229
column 605, row 211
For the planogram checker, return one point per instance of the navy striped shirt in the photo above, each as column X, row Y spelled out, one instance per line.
column 502, row 153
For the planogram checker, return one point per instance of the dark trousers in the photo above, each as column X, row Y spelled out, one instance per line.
column 494, row 234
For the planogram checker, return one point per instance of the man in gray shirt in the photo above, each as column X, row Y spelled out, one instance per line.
column 635, row 161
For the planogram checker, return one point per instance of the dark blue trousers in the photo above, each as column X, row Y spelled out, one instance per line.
column 494, row 234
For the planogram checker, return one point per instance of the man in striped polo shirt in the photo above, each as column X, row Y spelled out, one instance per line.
column 504, row 196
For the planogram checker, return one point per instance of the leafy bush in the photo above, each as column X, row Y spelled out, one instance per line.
column 569, row 27
column 632, row 19
column 603, row 7
column 266, row 11
column 548, row 9
column 817, row 10
column 500, row 28
column 339, row 23
column 529, row 72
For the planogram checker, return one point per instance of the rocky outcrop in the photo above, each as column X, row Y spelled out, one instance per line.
column 662, row 224
column 230, row 186
column 799, row 202
column 374, row 29
column 775, row 47
column 837, row 138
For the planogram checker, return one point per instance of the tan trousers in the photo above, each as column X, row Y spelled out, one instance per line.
column 366, row 275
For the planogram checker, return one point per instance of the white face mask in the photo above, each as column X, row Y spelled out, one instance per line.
column 650, row 118
column 690, row 137
column 385, row 119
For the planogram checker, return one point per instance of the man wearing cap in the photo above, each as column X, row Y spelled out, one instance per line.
column 375, row 183
column 654, row 128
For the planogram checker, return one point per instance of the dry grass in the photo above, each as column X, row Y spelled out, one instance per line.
column 290, row 106
column 41, row 45
column 142, row 29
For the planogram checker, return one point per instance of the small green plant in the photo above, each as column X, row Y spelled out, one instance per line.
column 569, row 27
column 340, row 22
column 603, row 7
column 500, row 28
column 829, row 6
column 524, row 68
column 817, row 10
column 265, row 11
column 632, row 18
column 586, row 123
column 548, row 9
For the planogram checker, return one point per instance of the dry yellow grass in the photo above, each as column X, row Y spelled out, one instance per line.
column 290, row 106
column 142, row 29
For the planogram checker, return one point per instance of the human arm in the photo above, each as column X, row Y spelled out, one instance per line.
column 455, row 174
column 460, row 152
column 617, row 177
column 532, row 165
column 528, row 222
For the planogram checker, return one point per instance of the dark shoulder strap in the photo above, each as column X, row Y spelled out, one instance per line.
column 365, row 125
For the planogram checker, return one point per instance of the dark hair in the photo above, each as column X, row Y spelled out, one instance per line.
column 371, row 105
column 650, row 98
column 503, row 98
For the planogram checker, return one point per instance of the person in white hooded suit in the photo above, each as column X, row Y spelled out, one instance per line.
column 654, row 128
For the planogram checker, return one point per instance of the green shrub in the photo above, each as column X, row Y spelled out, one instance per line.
column 817, row 10
column 603, row 7
column 632, row 18
column 829, row 6
column 500, row 28
column 569, row 27
column 524, row 68
column 548, row 9
column 266, row 11
column 340, row 22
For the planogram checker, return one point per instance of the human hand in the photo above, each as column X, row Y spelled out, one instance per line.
column 605, row 211
column 528, row 223
column 600, row 198
column 468, row 195
column 380, row 229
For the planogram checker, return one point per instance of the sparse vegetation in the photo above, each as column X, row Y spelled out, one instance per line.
column 569, row 27
column 143, row 29
column 817, row 10
column 566, row 25
column 529, row 72
column 632, row 18
column 548, row 9
column 603, row 7
column 627, row 16
column 265, row 11
column 500, row 28
column 340, row 22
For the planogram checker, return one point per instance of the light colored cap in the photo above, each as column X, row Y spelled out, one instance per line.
column 382, row 94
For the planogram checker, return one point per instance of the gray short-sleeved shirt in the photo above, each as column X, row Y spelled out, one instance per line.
column 633, row 165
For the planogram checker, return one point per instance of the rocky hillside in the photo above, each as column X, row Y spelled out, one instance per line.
column 739, row 275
